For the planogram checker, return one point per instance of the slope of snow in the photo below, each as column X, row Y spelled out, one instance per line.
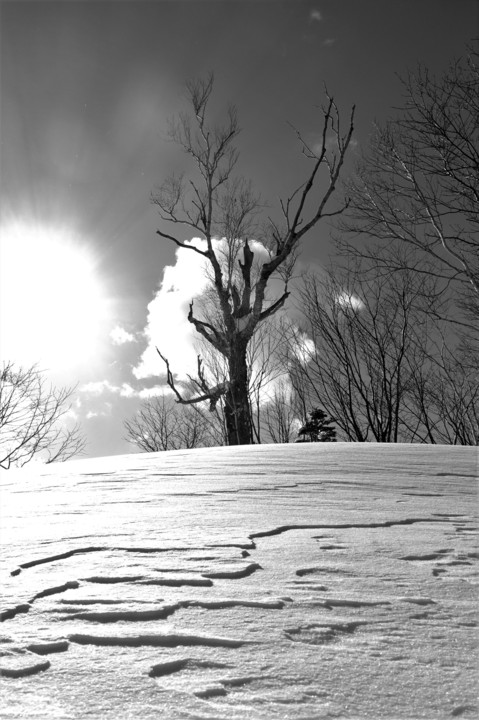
column 303, row 581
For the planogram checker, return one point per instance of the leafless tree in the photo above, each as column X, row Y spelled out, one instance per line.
column 443, row 397
column 382, row 365
column 32, row 419
column 162, row 425
column 217, row 206
column 416, row 192
column 418, row 184
column 283, row 415
column 364, row 345
column 267, row 373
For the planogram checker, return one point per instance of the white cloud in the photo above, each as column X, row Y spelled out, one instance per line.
column 157, row 391
column 328, row 42
column 167, row 323
column 71, row 414
column 105, row 412
column 127, row 391
column 105, row 386
column 119, row 336
column 315, row 15
column 98, row 388
column 304, row 348
column 348, row 300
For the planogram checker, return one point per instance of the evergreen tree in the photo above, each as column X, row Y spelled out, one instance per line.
column 317, row 428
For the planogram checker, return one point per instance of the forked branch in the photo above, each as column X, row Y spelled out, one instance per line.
column 210, row 394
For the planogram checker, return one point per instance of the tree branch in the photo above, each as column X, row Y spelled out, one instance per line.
column 162, row 234
column 211, row 394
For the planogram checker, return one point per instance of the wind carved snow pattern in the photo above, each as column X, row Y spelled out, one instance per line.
column 263, row 582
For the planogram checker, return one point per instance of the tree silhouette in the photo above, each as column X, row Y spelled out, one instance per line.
column 222, row 210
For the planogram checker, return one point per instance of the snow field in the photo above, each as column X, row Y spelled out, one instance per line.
column 304, row 581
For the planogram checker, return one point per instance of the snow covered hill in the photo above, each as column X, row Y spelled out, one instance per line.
column 305, row 581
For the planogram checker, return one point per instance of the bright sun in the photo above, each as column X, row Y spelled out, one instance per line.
column 53, row 310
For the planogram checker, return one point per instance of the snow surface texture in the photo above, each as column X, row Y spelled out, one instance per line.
column 306, row 581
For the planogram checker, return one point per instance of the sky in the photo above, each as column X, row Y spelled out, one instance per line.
column 86, row 92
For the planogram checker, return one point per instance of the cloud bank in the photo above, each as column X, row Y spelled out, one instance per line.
column 120, row 336
column 167, row 325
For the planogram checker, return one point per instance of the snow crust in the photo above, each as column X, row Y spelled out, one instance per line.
column 305, row 581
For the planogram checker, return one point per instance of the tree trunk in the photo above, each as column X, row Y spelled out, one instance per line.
column 237, row 407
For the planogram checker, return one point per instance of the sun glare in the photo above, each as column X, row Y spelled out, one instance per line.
column 53, row 309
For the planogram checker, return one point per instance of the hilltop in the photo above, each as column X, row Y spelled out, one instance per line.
column 278, row 581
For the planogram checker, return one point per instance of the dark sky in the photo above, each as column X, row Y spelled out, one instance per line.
column 86, row 92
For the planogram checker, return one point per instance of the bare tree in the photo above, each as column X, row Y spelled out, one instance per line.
column 32, row 419
column 267, row 373
column 416, row 192
column 378, row 361
column 365, row 334
column 218, row 206
column 281, row 416
column 162, row 425
column 443, row 397
column 419, row 182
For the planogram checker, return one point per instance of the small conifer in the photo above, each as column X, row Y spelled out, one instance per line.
column 318, row 428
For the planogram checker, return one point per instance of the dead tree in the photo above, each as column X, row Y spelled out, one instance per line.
column 222, row 210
